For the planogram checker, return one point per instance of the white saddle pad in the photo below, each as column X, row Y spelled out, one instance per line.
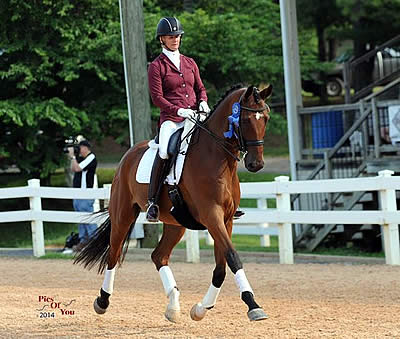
column 146, row 163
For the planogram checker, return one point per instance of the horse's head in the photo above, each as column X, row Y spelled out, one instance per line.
column 253, row 121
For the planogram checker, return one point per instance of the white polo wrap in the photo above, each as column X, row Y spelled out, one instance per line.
column 167, row 279
column 211, row 296
column 108, row 283
column 242, row 282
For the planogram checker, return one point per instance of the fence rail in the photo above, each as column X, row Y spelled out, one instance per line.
column 256, row 220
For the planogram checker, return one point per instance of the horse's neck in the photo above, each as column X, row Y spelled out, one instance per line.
column 218, row 123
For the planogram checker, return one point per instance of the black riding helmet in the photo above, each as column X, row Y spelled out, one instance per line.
column 169, row 26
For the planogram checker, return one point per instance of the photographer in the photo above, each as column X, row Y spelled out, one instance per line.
column 84, row 168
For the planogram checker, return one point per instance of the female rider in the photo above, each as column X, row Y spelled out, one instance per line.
column 176, row 88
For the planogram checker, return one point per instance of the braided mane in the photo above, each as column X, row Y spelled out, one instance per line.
column 229, row 91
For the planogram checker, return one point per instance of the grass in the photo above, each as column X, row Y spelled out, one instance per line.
column 351, row 251
column 19, row 234
column 57, row 256
column 276, row 151
column 250, row 243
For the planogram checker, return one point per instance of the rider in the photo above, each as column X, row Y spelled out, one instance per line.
column 176, row 88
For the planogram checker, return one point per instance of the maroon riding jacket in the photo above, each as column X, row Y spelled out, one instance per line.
column 171, row 89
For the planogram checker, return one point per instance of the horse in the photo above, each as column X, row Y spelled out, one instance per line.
column 210, row 187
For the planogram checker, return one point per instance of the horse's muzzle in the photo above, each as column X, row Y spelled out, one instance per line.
column 255, row 165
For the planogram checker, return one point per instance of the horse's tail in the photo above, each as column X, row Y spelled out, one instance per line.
column 96, row 251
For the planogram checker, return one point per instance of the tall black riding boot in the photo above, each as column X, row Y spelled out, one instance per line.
column 156, row 181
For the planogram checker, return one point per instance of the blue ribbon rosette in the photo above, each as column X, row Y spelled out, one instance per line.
column 233, row 119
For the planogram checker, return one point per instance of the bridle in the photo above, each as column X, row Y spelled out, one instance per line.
column 235, row 128
column 242, row 142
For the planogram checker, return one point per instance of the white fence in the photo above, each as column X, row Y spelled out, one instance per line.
column 36, row 215
column 255, row 220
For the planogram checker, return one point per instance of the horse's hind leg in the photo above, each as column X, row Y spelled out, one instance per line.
column 160, row 256
column 121, row 221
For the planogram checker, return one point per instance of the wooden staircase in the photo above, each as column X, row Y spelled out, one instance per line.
column 367, row 120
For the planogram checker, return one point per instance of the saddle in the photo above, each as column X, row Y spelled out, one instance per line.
column 180, row 210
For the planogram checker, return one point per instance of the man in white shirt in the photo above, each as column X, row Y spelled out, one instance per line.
column 84, row 168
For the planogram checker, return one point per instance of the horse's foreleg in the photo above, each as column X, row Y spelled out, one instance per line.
column 199, row 310
column 160, row 256
column 122, row 222
column 255, row 312
column 224, row 243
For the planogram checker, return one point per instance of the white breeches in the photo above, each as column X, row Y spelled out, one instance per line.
column 167, row 129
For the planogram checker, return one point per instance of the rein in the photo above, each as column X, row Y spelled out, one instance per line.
column 243, row 144
column 220, row 141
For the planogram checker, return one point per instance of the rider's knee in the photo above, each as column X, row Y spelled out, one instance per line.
column 163, row 153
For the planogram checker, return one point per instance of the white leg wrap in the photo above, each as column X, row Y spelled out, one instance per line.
column 242, row 282
column 199, row 310
column 108, row 283
column 167, row 279
column 211, row 296
column 174, row 300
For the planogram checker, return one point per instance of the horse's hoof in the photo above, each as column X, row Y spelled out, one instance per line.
column 172, row 315
column 198, row 312
column 97, row 308
column 257, row 314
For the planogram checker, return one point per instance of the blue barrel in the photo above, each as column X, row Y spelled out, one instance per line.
column 327, row 129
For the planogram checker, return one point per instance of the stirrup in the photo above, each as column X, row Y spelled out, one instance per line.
column 153, row 212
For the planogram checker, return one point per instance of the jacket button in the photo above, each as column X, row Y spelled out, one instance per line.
column 184, row 85
column 186, row 95
column 180, row 74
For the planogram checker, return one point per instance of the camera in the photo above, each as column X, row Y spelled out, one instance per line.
column 71, row 142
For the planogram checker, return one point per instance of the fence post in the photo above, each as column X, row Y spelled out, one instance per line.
column 192, row 246
column 107, row 201
column 390, row 231
column 36, row 225
column 209, row 239
column 96, row 205
column 285, row 230
column 265, row 240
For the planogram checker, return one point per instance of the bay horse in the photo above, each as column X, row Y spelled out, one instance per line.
column 210, row 187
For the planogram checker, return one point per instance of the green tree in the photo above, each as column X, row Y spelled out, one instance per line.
column 232, row 41
column 61, row 73
column 321, row 15
column 373, row 22
column 367, row 23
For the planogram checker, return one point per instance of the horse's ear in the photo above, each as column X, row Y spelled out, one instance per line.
column 249, row 91
column 266, row 92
